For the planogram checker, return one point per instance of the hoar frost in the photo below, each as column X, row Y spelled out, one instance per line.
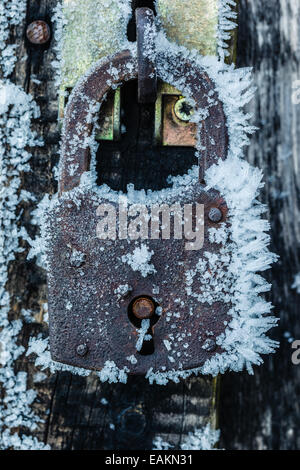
column 12, row 13
column 200, row 439
column 17, row 109
column 142, row 334
column 139, row 260
column 227, row 23
column 233, row 278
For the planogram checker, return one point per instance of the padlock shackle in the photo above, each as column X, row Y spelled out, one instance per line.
column 111, row 72
column 78, row 121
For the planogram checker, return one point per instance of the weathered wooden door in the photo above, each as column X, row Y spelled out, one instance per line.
column 255, row 412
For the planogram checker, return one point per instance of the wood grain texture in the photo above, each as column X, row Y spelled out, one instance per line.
column 257, row 412
column 262, row 411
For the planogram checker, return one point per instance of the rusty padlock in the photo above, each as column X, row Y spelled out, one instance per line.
column 102, row 309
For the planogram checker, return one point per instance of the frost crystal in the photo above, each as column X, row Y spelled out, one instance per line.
column 59, row 21
column 17, row 109
column 12, row 13
column 122, row 291
column 112, row 374
column 139, row 260
column 227, row 15
column 160, row 444
column 200, row 439
column 142, row 334
column 132, row 359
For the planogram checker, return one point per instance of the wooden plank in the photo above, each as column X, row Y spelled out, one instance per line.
column 262, row 411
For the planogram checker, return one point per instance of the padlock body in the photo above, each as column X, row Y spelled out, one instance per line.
column 89, row 305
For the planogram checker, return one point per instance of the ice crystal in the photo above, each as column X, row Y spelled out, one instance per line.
column 12, row 13
column 200, row 439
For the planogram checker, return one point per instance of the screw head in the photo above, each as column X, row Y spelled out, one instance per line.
column 209, row 345
column 82, row 350
column 143, row 308
column 183, row 110
column 215, row 215
column 38, row 32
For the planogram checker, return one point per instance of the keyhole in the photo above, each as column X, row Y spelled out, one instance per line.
column 142, row 313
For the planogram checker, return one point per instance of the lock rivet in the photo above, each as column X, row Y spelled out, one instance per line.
column 215, row 215
column 38, row 32
column 82, row 349
column 143, row 308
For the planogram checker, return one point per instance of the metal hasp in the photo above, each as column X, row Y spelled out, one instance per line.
column 93, row 308
column 147, row 79
column 87, row 38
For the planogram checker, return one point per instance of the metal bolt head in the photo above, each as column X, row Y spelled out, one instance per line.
column 183, row 110
column 143, row 308
column 215, row 215
column 209, row 345
column 82, row 350
column 38, row 32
